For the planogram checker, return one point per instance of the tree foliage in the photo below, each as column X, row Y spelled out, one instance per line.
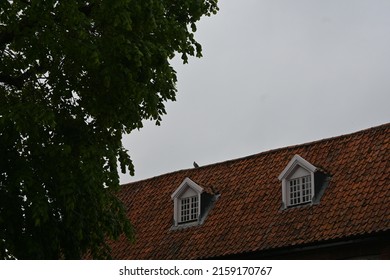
column 74, row 76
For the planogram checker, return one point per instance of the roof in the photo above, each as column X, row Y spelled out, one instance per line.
column 248, row 216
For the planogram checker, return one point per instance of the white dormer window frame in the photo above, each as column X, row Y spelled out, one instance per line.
column 297, row 182
column 187, row 199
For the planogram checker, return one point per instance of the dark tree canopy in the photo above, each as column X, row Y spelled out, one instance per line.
column 74, row 76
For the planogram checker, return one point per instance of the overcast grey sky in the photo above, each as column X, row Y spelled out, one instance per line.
column 274, row 73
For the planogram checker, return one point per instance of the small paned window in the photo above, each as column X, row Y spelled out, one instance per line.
column 302, row 183
column 300, row 190
column 191, row 204
column 189, row 209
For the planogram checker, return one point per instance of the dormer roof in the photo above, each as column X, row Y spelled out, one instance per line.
column 187, row 183
column 297, row 160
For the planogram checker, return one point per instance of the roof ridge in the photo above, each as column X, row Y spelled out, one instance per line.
column 294, row 146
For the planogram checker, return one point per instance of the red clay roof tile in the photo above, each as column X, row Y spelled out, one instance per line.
column 248, row 215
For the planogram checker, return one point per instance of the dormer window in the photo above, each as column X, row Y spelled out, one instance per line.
column 191, row 203
column 302, row 183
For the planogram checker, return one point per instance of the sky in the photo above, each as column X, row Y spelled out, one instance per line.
column 274, row 73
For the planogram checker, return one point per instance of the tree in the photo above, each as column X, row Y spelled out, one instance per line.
column 74, row 76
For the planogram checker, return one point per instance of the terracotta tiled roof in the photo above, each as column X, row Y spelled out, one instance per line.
column 248, row 215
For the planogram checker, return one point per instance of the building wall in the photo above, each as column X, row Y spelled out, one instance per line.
column 368, row 247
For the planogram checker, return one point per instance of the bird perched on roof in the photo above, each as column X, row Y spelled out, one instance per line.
column 196, row 165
